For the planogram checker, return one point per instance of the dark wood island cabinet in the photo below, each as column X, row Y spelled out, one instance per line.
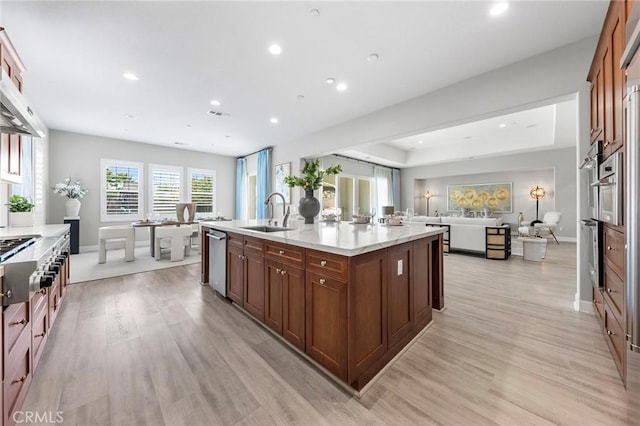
column 350, row 314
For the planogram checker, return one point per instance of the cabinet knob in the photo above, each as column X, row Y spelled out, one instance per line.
column 22, row 321
column 278, row 270
column 8, row 294
column 610, row 248
column 322, row 281
column 39, row 335
column 611, row 333
column 21, row 379
column 283, row 272
column 609, row 290
column 239, row 256
column 281, row 252
column 43, row 291
column 323, row 263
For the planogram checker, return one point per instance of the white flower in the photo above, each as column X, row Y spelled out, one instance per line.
column 69, row 190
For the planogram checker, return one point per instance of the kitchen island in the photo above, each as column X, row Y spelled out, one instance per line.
column 349, row 296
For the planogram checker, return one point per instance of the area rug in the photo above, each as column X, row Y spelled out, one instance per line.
column 85, row 266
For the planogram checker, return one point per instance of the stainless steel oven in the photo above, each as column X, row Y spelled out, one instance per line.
column 610, row 190
column 591, row 165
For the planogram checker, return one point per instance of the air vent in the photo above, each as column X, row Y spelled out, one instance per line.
column 218, row 113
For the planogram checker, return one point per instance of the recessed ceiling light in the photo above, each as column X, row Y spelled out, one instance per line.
column 227, row 136
column 502, row 125
column 129, row 116
column 126, row 130
column 215, row 102
column 330, row 80
column 420, row 142
column 130, row 76
column 300, row 97
column 275, row 49
column 341, row 87
column 412, row 148
column 367, row 158
column 531, row 125
column 188, row 125
column 373, row 57
column 274, row 120
column 314, row 12
column 498, row 8
column 467, row 137
column 179, row 143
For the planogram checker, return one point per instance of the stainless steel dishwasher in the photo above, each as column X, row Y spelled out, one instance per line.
column 218, row 261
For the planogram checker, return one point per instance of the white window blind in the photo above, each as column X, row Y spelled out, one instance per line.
column 202, row 190
column 121, row 191
column 166, row 189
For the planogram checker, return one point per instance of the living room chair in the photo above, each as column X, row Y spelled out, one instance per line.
column 176, row 238
column 549, row 223
column 116, row 234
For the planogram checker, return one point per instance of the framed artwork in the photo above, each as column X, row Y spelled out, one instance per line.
column 283, row 170
column 493, row 196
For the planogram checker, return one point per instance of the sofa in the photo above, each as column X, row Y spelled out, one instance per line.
column 465, row 233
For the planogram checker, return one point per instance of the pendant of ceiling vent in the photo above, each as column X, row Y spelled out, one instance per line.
column 218, row 113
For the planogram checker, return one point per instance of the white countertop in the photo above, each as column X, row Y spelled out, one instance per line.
column 342, row 238
column 42, row 230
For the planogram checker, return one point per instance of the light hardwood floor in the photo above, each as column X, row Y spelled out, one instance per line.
column 157, row 348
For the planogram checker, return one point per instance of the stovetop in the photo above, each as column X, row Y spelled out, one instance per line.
column 12, row 245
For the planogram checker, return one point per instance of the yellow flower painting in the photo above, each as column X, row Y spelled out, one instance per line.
column 493, row 196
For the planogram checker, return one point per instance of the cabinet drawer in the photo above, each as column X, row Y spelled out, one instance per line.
column 39, row 329
column 284, row 253
column 598, row 304
column 614, row 250
column 39, row 302
column 496, row 253
column 253, row 244
column 614, row 289
column 615, row 338
column 15, row 319
column 235, row 240
column 328, row 264
column 497, row 240
column 17, row 375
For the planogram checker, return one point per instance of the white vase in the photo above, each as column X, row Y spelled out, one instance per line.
column 72, row 207
column 21, row 219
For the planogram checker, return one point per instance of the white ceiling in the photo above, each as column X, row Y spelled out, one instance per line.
column 188, row 53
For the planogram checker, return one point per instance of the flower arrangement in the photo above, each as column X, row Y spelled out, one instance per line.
column 69, row 190
column 312, row 175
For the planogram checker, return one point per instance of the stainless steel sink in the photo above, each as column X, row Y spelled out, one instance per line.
column 265, row 228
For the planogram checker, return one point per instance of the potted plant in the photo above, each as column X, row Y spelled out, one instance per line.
column 20, row 211
column 73, row 191
column 310, row 180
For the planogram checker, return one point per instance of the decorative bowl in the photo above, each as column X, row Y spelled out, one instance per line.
column 361, row 218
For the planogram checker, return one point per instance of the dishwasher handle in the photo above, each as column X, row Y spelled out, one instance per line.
column 217, row 237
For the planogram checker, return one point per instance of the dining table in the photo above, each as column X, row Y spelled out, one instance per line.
column 153, row 224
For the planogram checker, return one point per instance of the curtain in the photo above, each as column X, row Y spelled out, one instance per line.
column 241, row 188
column 383, row 189
column 395, row 183
column 263, row 183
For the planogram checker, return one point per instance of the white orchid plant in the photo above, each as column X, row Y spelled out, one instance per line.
column 70, row 190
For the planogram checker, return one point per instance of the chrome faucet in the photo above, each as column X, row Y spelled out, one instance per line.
column 285, row 209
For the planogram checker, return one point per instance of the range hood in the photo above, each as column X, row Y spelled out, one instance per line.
column 16, row 117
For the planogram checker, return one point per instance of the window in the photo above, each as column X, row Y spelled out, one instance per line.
column 201, row 188
column 120, row 190
column 165, row 192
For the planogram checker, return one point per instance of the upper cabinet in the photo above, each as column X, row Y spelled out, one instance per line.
column 608, row 81
column 10, row 145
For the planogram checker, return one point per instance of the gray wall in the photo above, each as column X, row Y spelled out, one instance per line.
column 554, row 170
column 78, row 156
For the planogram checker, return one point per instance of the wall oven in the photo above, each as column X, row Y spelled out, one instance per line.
column 591, row 165
column 610, row 190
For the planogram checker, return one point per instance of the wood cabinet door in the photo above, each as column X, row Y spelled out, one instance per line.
column 399, row 297
column 421, row 282
column 254, row 284
column 618, row 82
column 326, row 313
column 368, row 310
column 293, row 305
column 607, row 73
column 235, row 274
column 273, row 295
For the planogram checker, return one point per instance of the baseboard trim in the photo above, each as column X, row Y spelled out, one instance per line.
column 88, row 249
